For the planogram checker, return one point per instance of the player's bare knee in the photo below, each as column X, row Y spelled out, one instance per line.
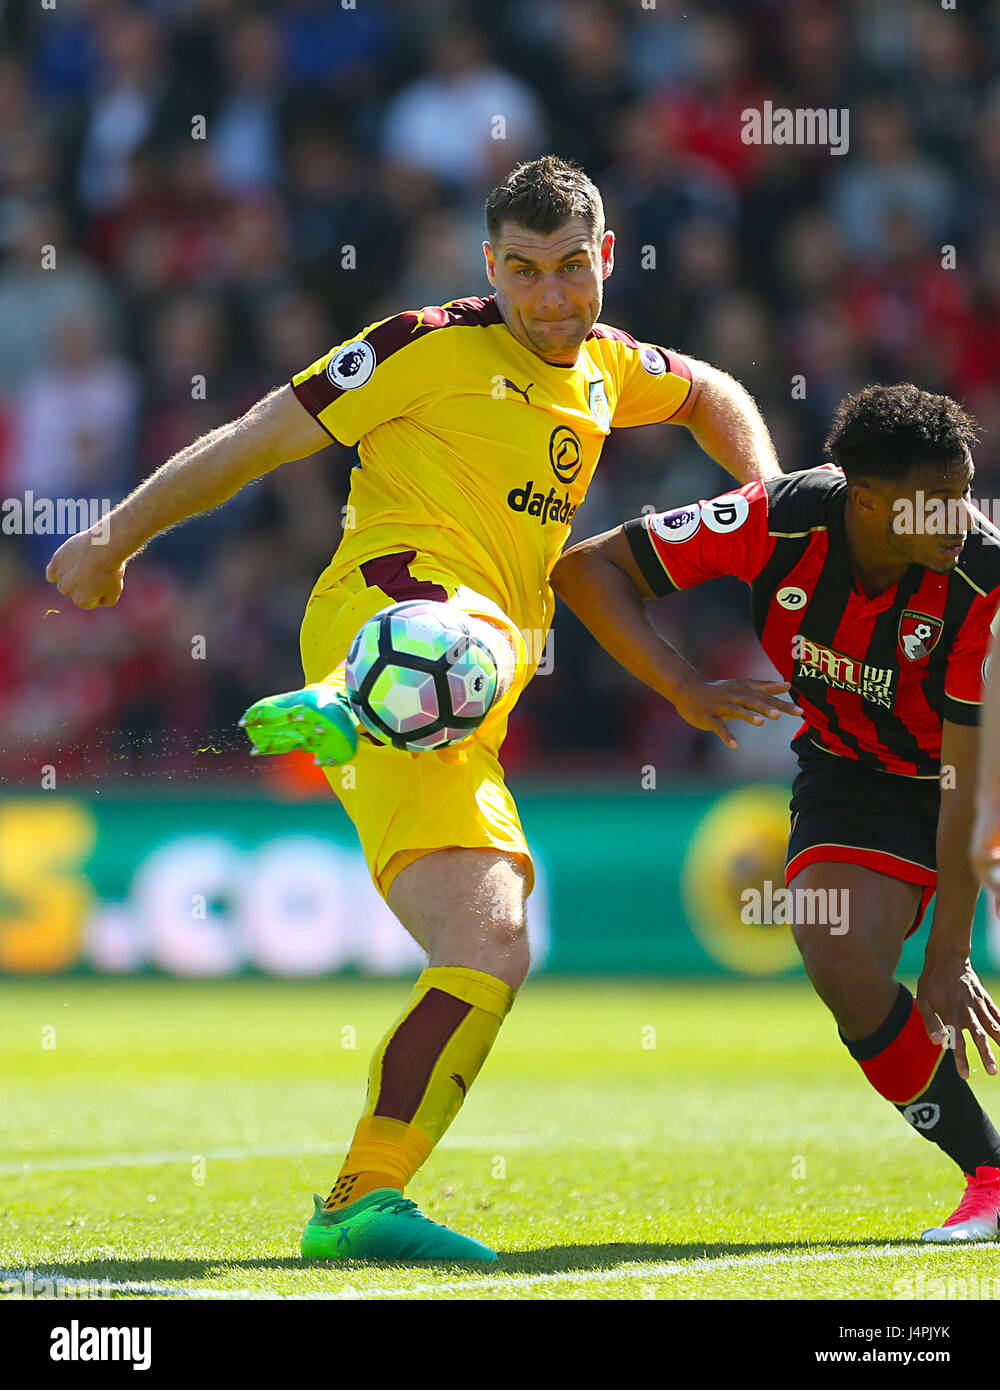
column 513, row 952
column 467, row 907
column 495, row 943
column 841, row 966
column 502, row 915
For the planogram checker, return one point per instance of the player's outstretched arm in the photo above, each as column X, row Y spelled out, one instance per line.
column 724, row 419
column 89, row 568
column 949, row 989
column 600, row 580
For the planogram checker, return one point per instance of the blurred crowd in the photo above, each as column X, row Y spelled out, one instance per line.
column 223, row 191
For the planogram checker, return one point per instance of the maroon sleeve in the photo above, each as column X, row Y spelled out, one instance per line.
column 683, row 547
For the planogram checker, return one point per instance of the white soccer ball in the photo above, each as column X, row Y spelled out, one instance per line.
column 417, row 678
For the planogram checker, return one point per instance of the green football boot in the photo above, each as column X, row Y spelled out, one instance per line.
column 385, row 1225
column 316, row 718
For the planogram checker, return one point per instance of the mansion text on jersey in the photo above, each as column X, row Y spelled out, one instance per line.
column 814, row 661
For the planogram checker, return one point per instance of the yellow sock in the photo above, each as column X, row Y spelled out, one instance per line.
column 419, row 1076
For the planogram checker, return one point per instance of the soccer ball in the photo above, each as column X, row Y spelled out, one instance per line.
column 417, row 678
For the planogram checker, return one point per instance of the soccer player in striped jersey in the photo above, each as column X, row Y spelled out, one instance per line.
column 479, row 423
column 874, row 582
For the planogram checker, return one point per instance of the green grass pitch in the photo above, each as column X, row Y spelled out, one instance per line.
column 625, row 1141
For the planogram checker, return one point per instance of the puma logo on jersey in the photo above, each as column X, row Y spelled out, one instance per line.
column 524, row 393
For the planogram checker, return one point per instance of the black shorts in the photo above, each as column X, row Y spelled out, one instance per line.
column 844, row 812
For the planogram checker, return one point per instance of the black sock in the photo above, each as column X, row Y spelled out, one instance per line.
column 923, row 1083
column 949, row 1114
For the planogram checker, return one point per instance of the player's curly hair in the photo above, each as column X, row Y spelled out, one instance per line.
column 884, row 431
column 543, row 194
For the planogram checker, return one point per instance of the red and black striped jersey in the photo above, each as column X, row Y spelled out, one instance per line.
column 875, row 677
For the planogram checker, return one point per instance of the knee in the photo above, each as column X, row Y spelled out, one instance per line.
column 505, row 938
column 503, row 922
column 516, row 957
column 842, row 968
column 467, row 908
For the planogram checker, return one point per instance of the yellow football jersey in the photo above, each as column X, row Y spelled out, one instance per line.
column 474, row 451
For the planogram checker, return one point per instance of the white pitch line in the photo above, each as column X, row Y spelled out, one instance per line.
column 704, row 1265
column 493, row 1144
column 18, row 1276
column 156, row 1157
column 707, row 1264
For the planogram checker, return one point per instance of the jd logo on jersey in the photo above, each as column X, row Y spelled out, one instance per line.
column 565, row 453
column 725, row 513
column 918, row 634
column 791, row 597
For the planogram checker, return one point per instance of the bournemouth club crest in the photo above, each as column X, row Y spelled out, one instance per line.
column 918, row 634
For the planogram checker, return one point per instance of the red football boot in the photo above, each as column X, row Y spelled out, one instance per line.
column 977, row 1214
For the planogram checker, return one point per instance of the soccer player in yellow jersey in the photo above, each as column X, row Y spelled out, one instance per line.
column 479, row 425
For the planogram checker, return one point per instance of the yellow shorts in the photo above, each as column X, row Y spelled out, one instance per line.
column 406, row 805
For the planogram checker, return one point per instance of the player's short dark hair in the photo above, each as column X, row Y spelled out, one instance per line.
column 543, row 194
column 885, row 431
